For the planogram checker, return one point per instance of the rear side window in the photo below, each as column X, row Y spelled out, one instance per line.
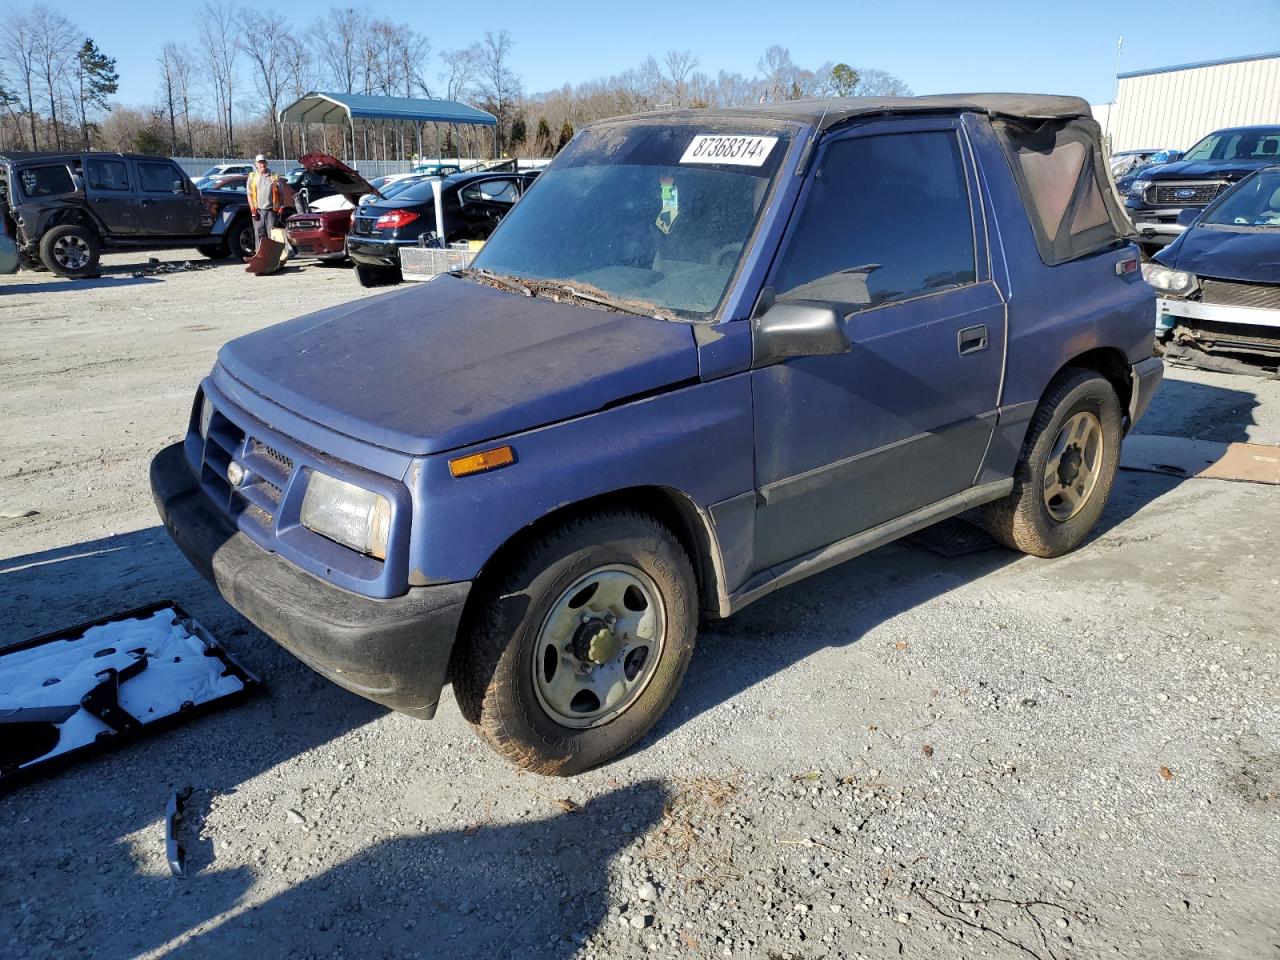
column 157, row 177
column 1061, row 176
column 107, row 174
column 501, row 191
column 887, row 218
column 47, row 181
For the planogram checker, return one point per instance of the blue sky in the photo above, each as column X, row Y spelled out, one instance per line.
column 1031, row 46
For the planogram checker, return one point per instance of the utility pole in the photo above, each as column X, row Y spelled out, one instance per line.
column 1115, row 95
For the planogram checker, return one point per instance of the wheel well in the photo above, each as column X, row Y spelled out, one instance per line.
column 669, row 507
column 71, row 216
column 1110, row 363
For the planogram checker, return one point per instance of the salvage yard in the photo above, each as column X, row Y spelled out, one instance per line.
column 909, row 755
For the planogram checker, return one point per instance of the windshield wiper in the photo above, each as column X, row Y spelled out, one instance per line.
column 513, row 285
column 601, row 298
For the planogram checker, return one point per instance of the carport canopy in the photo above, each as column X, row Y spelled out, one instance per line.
column 337, row 108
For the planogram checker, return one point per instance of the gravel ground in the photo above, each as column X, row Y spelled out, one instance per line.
column 983, row 756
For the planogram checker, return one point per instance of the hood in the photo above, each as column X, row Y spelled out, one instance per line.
column 1251, row 256
column 451, row 362
column 344, row 180
column 1204, row 169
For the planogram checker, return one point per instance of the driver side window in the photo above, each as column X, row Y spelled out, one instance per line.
column 887, row 218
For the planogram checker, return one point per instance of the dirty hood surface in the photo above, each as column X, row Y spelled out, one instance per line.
column 1252, row 256
column 451, row 362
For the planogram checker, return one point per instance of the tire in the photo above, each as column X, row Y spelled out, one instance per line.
column 370, row 276
column 70, row 251
column 1048, row 521
column 510, row 677
column 241, row 240
column 220, row 252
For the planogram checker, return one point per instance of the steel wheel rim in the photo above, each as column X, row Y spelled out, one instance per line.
column 1074, row 466
column 247, row 239
column 599, row 646
column 71, row 252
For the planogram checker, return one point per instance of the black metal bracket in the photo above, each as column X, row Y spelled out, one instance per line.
column 103, row 701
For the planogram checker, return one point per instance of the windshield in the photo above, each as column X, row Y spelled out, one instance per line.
column 1260, row 144
column 650, row 214
column 1254, row 203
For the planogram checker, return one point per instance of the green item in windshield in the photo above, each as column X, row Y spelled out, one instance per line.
column 670, row 204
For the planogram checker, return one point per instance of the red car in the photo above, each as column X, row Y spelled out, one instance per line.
column 322, row 234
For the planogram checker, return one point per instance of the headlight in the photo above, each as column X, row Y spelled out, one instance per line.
column 206, row 416
column 1177, row 282
column 1138, row 189
column 351, row 515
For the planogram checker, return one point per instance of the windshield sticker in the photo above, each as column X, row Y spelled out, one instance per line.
column 740, row 151
column 670, row 204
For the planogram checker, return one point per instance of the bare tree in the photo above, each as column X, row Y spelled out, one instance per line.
column 877, row 83
column 219, row 50
column 462, row 66
column 54, row 43
column 180, row 68
column 779, row 73
column 499, row 86
column 679, row 64
column 169, row 95
column 340, row 41
column 20, row 52
column 266, row 42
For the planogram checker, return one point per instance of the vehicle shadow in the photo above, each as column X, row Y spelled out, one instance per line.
column 839, row 607
column 531, row 888
column 61, row 285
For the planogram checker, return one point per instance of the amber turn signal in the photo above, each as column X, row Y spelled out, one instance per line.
column 480, row 462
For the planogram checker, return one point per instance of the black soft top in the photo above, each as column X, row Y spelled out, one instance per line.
column 832, row 111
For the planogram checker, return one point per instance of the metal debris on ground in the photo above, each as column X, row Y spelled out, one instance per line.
column 1206, row 459
column 154, row 267
column 174, row 852
column 64, row 693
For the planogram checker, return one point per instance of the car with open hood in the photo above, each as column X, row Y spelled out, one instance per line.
column 710, row 353
column 320, row 231
column 1155, row 199
column 1219, row 282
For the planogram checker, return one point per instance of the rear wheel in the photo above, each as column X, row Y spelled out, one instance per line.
column 575, row 651
column 241, row 240
column 70, row 251
column 370, row 276
column 1068, row 464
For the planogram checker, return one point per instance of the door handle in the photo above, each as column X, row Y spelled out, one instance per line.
column 972, row 339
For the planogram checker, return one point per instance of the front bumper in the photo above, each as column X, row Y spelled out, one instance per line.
column 394, row 651
column 1146, row 375
column 318, row 245
column 1171, row 311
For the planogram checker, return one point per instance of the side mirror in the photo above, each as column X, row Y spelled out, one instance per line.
column 798, row 328
column 179, row 186
column 1189, row 215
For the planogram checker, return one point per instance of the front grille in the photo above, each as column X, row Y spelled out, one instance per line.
column 268, row 472
column 1232, row 293
column 364, row 225
column 1192, row 194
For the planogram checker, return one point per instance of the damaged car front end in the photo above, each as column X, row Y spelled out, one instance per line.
column 1219, row 282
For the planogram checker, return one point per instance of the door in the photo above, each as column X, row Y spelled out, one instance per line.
column 111, row 195
column 483, row 204
column 171, row 206
column 885, row 229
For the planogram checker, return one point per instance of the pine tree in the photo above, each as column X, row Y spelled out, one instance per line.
column 566, row 134
column 97, row 79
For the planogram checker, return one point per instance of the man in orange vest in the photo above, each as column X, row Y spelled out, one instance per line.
column 266, row 198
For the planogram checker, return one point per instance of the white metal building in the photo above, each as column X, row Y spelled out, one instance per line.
column 1176, row 106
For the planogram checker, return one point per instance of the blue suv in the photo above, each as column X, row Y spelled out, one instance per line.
column 709, row 354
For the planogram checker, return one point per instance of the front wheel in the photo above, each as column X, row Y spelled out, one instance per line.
column 70, row 251
column 1068, row 464
column 242, row 239
column 574, row 652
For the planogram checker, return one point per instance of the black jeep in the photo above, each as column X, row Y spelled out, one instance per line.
column 65, row 208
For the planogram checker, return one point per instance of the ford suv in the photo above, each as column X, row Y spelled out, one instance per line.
column 1165, row 197
column 709, row 354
